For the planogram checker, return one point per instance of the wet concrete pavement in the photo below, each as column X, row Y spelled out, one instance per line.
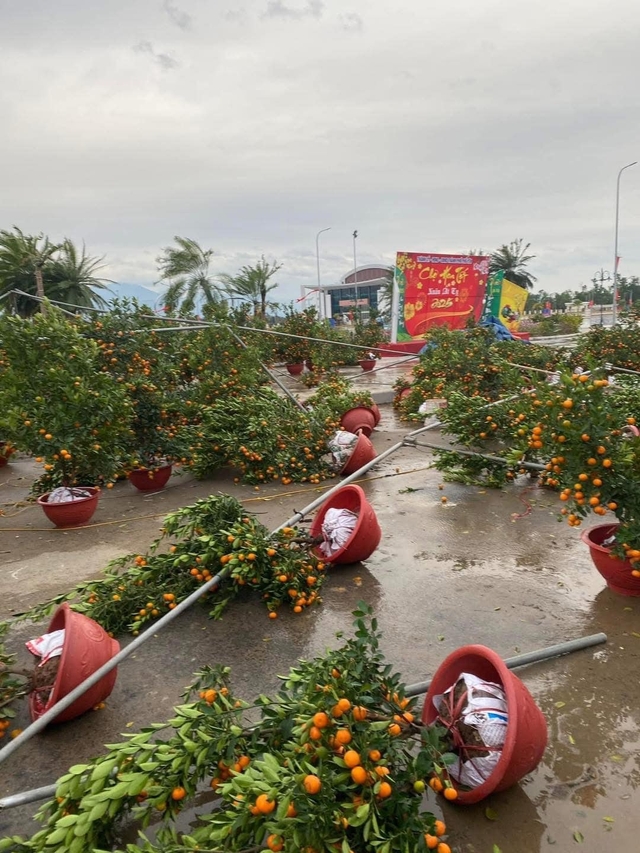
column 486, row 567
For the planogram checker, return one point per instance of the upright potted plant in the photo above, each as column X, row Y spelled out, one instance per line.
column 369, row 336
column 293, row 351
column 58, row 406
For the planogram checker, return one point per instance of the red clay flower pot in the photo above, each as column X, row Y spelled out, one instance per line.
column 363, row 452
column 295, row 369
column 367, row 364
column 358, row 418
column 150, row 479
column 615, row 571
column 71, row 513
column 86, row 648
column 526, row 735
column 5, row 454
column 366, row 535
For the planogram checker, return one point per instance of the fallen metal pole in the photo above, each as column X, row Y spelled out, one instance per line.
column 535, row 466
column 355, row 476
column 272, row 375
column 384, row 367
column 526, row 658
column 47, row 791
column 71, row 697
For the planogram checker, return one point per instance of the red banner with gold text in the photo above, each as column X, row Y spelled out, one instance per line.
column 438, row 290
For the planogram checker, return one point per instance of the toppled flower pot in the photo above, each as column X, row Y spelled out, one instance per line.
column 617, row 572
column 360, row 418
column 348, row 541
column 524, row 739
column 85, row 648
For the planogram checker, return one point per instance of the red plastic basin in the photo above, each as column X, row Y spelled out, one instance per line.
column 367, row 533
column 526, row 735
column 86, row 648
column 615, row 571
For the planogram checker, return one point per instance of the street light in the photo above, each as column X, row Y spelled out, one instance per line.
column 355, row 274
column 615, row 253
column 320, row 300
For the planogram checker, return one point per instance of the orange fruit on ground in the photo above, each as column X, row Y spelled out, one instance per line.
column 178, row 794
column 431, row 841
column 343, row 737
column 297, row 609
column 312, row 783
column 450, row 794
column 351, row 758
column 359, row 775
column 359, row 713
column 375, row 755
column 273, row 614
column 264, row 804
column 439, row 828
column 385, row 790
column 321, row 720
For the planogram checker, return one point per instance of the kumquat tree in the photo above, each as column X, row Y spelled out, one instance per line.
column 335, row 760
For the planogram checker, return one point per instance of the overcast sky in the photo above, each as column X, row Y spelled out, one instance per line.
column 428, row 125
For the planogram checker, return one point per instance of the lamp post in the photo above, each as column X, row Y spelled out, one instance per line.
column 355, row 273
column 320, row 299
column 615, row 253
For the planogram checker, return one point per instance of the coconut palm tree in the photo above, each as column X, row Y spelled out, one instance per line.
column 512, row 259
column 71, row 277
column 251, row 283
column 23, row 259
column 186, row 269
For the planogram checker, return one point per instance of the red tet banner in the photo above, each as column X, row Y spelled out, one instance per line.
column 438, row 290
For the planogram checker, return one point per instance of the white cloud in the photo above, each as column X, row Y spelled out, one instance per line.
column 441, row 126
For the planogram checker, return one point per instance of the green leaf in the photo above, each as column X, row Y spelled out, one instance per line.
column 490, row 813
column 608, row 819
column 578, row 836
column 496, row 849
column 560, row 704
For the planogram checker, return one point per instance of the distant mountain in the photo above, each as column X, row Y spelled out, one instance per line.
column 121, row 290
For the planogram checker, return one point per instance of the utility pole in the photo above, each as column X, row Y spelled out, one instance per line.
column 599, row 279
column 615, row 251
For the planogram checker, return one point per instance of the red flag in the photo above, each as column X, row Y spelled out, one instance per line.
column 617, row 262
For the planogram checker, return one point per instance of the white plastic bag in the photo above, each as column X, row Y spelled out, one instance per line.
column 47, row 646
column 341, row 447
column 488, row 715
column 62, row 495
column 337, row 527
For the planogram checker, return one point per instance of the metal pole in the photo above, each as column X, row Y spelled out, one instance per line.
column 535, row 466
column 530, row 657
column 615, row 251
column 524, row 659
column 321, row 312
column 272, row 376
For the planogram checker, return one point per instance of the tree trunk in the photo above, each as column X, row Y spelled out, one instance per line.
column 40, row 288
column 39, row 282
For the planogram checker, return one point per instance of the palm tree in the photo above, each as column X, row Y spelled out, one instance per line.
column 71, row 277
column 23, row 259
column 385, row 296
column 511, row 260
column 251, row 283
column 186, row 269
